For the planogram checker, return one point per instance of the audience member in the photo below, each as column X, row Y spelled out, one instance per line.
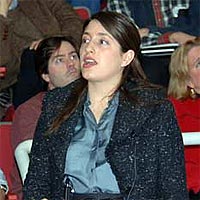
column 184, row 92
column 112, row 134
column 57, row 62
column 26, row 24
column 161, row 21
column 3, row 186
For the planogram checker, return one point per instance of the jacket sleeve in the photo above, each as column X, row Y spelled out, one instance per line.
column 7, row 58
column 4, row 42
column 172, row 185
column 187, row 21
column 70, row 22
column 41, row 180
column 37, row 182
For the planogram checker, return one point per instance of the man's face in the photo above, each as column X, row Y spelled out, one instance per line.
column 63, row 66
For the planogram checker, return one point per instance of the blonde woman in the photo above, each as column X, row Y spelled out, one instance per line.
column 184, row 92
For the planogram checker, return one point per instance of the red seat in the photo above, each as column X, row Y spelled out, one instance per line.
column 9, row 114
column 83, row 12
column 6, row 154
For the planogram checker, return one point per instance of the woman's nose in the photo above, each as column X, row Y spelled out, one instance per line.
column 90, row 47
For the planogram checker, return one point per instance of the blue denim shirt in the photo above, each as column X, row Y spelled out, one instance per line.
column 86, row 165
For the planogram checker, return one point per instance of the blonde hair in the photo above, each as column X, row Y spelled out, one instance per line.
column 179, row 71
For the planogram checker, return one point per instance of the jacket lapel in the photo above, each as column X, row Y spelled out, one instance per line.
column 128, row 119
column 65, row 135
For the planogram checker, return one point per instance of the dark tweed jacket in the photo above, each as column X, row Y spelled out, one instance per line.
column 145, row 149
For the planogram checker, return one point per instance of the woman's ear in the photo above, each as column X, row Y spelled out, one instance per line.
column 45, row 77
column 127, row 58
column 190, row 83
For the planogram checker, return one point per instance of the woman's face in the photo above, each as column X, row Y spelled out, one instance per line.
column 101, row 57
column 194, row 68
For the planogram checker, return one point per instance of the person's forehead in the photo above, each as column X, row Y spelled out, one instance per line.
column 95, row 27
column 64, row 48
column 193, row 55
column 194, row 51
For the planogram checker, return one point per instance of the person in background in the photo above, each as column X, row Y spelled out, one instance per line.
column 160, row 22
column 57, row 62
column 184, row 93
column 3, row 186
column 24, row 23
column 110, row 134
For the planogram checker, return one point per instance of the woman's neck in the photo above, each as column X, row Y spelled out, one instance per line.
column 99, row 96
column 99, row 92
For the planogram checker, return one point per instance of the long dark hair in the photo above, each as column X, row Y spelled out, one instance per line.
column 127, row 35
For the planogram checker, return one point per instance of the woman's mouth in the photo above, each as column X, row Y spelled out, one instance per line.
column 88, row 62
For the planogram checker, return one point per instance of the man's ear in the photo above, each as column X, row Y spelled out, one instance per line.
column 45, row 77
column 127, row 58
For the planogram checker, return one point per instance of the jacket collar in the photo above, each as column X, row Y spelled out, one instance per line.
column 129, row 118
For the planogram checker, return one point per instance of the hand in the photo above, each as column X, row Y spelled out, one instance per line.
column 180, row 37
column 144, row 32
column 4, row 7
column 2, row 194
column 2, row 72
column 35, row 44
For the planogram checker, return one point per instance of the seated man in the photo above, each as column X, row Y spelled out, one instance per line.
column 22, row 25
column 57, row 62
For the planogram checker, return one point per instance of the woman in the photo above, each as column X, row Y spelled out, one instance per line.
column 184, row 91
column 114, row 135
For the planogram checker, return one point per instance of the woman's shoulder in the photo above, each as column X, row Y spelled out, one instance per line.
column 152, row 94
column 60, row 94
column 149, row 93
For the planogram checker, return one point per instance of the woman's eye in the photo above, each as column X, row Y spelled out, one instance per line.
column 85, row 40
column 104, row 42
column 198, row 65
